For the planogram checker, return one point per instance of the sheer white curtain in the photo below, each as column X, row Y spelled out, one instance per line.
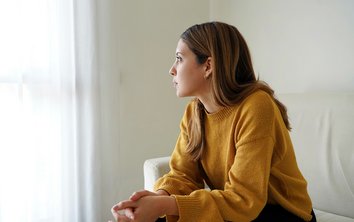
column 48, row 119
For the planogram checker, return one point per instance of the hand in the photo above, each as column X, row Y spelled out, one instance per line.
column 127, row 214
column 132, row 212
column 139, row 194
column 146, row 208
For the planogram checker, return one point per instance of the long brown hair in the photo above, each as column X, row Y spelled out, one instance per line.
column 233, row 76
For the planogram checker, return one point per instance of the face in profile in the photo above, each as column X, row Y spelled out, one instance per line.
column 188, row 75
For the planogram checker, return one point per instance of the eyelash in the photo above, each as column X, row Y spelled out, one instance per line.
column 178, row 59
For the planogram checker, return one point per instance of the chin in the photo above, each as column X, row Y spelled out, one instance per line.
column 180, row 94
column 183, row 93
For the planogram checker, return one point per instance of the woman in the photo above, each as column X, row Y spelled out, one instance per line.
column 234, row 137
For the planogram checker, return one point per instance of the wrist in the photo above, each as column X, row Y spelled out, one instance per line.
column 168, row 206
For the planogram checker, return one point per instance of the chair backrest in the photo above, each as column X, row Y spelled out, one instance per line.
column 323, row 139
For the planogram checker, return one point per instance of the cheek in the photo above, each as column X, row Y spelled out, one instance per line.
column 185, row 78
column 190, row 83
column 189, row 74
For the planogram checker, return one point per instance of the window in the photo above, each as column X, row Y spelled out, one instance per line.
column 37, row 111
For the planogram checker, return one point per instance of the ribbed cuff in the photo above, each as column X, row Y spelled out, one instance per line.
column 188, row 208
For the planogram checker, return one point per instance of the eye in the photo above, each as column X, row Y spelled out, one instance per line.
column 178, row 59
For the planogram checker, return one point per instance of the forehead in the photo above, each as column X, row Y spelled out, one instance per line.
column 182, row 48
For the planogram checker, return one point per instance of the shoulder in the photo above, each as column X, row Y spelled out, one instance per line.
column 255, row 117
column 257, row 111
column 190, row 109
column 258, row 102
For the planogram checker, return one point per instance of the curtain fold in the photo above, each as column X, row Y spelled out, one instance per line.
column 88, row 110
column 49, row 113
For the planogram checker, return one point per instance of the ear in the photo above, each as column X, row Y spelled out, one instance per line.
column 208, row 67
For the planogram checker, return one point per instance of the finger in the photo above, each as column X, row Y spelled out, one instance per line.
column 116, row 212
column 129, row 212
column 120, row 217
column 139, row 194
column 123, row 218
column 123, row 205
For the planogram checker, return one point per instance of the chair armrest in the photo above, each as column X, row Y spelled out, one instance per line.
column 154, row 169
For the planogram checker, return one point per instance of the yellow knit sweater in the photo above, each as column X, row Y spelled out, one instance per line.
column 249, row 160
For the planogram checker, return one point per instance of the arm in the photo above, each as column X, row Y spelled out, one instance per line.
column 184, row 176
column 243, row 196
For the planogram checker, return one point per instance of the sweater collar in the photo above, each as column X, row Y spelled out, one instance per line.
column 219, row 115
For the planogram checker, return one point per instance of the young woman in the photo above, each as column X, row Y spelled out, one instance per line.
column 234, row 136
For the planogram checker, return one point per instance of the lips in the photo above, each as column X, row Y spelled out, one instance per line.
column 174, row 83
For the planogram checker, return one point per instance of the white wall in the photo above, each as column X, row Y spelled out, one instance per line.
column 149, row 110
column 303, row 45
column 140, row 110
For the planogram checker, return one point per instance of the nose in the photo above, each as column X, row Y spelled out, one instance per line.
column 173, row 70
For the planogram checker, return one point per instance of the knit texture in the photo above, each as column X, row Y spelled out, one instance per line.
column 249, row 160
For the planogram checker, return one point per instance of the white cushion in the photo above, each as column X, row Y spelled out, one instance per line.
column 322, row 216
column 154, row 169
column 323, row 138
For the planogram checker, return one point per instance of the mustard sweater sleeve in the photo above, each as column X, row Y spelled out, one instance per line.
column 184, row 176
column 244, row 195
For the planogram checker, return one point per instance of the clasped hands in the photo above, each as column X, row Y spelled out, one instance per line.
column 144, row 206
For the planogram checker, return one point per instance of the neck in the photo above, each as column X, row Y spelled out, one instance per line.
column 208, row 101
column 209, row 106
